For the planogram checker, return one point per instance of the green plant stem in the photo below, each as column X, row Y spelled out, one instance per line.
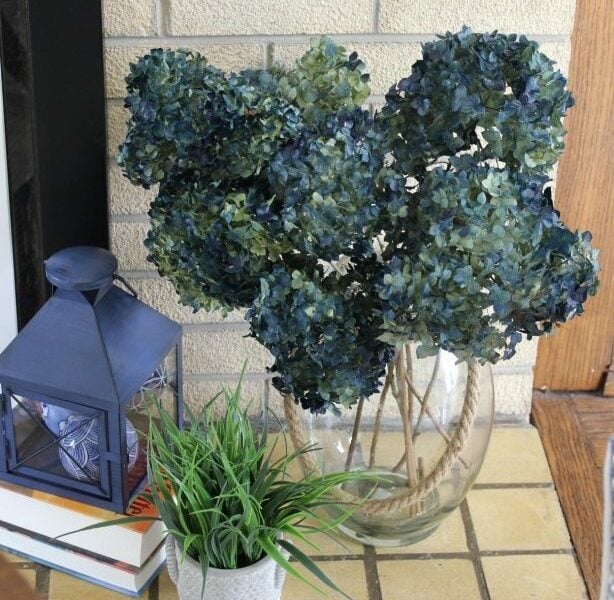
column 401, row 367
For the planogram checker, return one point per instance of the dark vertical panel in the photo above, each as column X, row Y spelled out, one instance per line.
column 52, row 68
column 21, row 158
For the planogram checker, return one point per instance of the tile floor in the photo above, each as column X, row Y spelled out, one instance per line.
column 507, row 541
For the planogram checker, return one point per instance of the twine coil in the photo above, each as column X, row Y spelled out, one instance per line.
column 405, row 499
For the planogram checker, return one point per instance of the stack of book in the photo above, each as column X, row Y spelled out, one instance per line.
column 125, row 558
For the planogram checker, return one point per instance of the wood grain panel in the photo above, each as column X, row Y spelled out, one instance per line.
column 577, row 356
column 577, row 477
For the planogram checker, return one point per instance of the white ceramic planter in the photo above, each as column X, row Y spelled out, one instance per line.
column 261, row 581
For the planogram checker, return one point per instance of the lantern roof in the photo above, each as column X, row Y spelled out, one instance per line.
column 81, row 268
column 99, row 345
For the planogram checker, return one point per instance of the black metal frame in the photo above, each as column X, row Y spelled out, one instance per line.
column 51, row 55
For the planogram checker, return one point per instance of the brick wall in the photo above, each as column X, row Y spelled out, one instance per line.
column 239, row 34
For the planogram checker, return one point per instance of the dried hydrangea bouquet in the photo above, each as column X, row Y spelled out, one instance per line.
column 367, row 246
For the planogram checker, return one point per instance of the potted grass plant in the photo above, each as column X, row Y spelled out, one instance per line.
column 232, row 511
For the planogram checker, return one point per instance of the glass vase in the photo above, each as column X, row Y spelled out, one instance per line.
column 423, row 439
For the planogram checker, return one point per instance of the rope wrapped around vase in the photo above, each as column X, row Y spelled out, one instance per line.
column 420, row 486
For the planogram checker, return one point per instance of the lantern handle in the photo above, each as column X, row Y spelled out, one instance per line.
column 126, row 284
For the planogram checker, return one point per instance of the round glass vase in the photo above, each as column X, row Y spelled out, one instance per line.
column 423, row 439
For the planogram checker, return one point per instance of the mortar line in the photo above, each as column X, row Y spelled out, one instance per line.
column 268, row 56
column 139, row 274
column 372, row 576
column 376, row 10
column 472, row 544
column 206, row 40
column 221, row 377
column 242, row 326
column 526, row 369
column 129, row 218
column 160, row 29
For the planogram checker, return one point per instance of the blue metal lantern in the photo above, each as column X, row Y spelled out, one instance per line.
column 81, row 381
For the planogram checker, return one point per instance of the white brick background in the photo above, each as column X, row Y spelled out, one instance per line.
column 235, row 35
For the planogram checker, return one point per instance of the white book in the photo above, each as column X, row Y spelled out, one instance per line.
column 53, row 516
column 118, row 576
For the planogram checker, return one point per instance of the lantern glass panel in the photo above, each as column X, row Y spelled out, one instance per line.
column 160, row 389
column 58, row 441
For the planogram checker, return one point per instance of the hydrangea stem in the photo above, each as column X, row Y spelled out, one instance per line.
column 404, row 400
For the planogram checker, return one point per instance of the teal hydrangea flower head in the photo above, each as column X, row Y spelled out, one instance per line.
column 343, row 233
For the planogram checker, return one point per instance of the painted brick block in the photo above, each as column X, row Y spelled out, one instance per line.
column 223, row 352
column 513, row 396
column 228, row 17
column 117, row 125
column 509, row 16
column 197, row 393
column 129, row 17
column 127, row 245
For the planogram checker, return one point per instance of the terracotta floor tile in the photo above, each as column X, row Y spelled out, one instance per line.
column 29, row 575
column 504, row 519
column 428, row 580
column 65, row 587
column 549, row 577
column 518, row 519
column 348, row 575
column 515, row 455
column 449, row 537
column 330, row 546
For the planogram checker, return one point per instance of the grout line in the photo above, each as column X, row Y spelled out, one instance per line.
column 545, row 552
column 423, row 556
column 472, row 544
column 513, row 486
column 205, row 40
column 370, row 564
column 332, row 557
column 41, row 587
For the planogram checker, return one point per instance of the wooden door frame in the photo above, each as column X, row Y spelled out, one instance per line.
column 576, row 358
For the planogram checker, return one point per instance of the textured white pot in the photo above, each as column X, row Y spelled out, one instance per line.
column 260, row 581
